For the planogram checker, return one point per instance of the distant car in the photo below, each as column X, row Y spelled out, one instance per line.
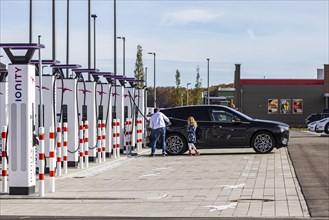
column 223, row 127
column 316, row 117
column 319, row 126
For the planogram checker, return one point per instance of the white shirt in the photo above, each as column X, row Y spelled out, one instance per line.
column 157, row 120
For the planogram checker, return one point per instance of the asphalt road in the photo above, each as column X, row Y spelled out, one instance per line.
column 309, row 153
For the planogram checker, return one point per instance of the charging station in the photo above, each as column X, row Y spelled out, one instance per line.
column 134, row 103
column 118, row 103
column 105, row 93
column 69, row 109
column 129, row 107
column 49, row 94
column 87, row 109
column 3, row 103
column 21, row 110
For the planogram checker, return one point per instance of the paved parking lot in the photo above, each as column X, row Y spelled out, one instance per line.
column 219, row 183
column 310, row 156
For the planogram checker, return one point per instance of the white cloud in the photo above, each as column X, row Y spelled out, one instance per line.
column 183, row 17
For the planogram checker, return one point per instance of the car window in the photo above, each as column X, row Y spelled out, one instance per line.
column 199, row 113
column 223, row 116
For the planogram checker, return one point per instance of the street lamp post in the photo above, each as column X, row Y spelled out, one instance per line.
column 208, row 91
column 94, row 16
column 124, row 54
column 155, row 90
column 187, row 92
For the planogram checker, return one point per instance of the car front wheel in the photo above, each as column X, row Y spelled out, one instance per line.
column 263, row 142
column 176, row 144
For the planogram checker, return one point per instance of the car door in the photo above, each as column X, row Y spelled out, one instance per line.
column 228, row 129
column 203, row 131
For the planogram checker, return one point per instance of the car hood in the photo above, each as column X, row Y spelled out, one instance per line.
column 272, row 122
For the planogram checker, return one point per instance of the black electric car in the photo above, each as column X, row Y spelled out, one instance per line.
column 223, row 127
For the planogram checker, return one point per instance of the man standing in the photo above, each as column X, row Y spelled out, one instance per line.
column 158, row 124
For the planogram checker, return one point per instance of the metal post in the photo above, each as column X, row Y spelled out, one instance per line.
column 94, row 16
column 124, row 56
column 89, row 39
column 208, row 90
column 145, row 89
column 54, row 30
column 154, row 87
column 67, row 36
column 115, row 37
column 30, row 32
column 40, row 86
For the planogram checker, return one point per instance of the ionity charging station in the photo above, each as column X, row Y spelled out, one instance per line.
column 3, row 104
column 118, row 103
column 104, row 105
column 135, row 108
column 48, row 87
column 88, row 109
column 69, row 109
column 21, row 110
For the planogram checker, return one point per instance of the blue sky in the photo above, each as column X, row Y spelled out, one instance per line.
column 271, row 39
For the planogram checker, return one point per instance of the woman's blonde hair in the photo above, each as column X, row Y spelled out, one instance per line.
column 191, row 121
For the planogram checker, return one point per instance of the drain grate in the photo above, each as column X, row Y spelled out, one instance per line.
column 251, row 200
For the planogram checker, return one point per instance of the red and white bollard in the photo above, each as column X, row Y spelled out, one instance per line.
column 59, row 150
column 52, row 162
column 139, row 134
column 118, row 138
column 65, row 142
column 81, row 145
column 4, row 172
column 41, row 162
column 114, row 139
column 127, row 137
column 86, row 144
column 103, row 141
column 99, row 141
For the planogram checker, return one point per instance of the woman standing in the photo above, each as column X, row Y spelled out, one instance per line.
column 191, row 130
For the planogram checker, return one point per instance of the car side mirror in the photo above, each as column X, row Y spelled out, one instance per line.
column 236, row 121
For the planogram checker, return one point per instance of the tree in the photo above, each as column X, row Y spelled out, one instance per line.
column 139, row 67
column 177, row 77
column 196, row 94
column 177, row 93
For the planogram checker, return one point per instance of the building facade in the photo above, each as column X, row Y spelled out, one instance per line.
column 286, row 100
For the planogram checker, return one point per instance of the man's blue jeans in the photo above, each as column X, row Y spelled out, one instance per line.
column 155, row 134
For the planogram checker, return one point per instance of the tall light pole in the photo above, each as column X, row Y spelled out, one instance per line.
column 94, row 16
column 67, row 35
column 30, row 22
column 124, row 54
column 89, row 39
column 54, row 30
column 208, row 91
column 115, row 36
column 187, row 92
column 155, row 90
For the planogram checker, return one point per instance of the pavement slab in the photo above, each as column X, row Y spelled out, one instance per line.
column 219, row 183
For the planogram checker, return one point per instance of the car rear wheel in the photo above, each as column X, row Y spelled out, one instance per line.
column 326, row 128
column 176, row 144
column 263, row 142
